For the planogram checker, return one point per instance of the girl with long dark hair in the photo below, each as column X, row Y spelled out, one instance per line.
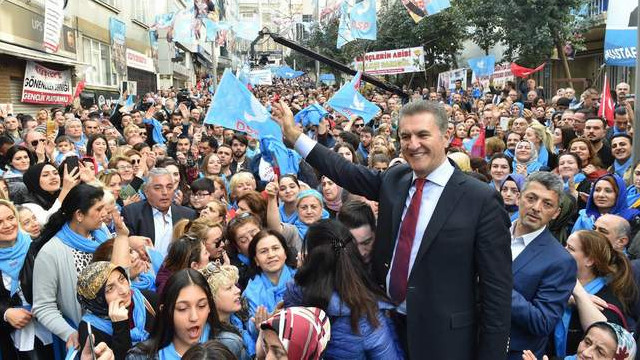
column 187, row 316
column 333, row 277
column 72, row 234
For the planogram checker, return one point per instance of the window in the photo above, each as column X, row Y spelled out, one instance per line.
column 98, row 54
column 140, row 11
column 307, row 18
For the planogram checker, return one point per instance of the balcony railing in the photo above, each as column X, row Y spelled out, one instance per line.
column 596, row 8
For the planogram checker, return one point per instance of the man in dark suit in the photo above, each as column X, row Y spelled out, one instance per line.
column 544, row 273
column 451, row 279
column 155, row 217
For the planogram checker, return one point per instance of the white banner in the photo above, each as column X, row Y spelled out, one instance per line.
column 391, row 61
column 447, row 79
column 501, row 74
column 46, row 86
column 139, row 61
column 53, row 18
column 260, row 77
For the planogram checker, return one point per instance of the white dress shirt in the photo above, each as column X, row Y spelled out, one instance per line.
column 163, row 227
column 518, row 244
column 433, row 188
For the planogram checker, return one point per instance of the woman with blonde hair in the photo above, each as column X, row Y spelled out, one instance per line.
column 212, row 235
column 240, row 184
column 542, row 138
column 222, row 280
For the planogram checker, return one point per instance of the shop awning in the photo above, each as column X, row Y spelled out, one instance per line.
column 30, row 54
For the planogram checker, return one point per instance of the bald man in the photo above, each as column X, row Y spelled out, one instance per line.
column 616, row 229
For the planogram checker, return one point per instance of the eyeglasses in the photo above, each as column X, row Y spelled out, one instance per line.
column 200, row 195
column 124, row 167
column 358, row 125
column 34, row 143
column 135, row 161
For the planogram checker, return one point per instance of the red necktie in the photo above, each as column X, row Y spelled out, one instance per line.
column 400, row 269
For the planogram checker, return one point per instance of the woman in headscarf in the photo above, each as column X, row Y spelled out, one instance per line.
column 510, row 191
column 119, row 315
column 608, row 196
column 517, row 109
column 45, row 193
column 602, row 340
column 333, row 196
column 526, row 160
column 21, row 335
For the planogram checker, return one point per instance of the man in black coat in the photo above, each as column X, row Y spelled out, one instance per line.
column 155, row 217
column 442, row 248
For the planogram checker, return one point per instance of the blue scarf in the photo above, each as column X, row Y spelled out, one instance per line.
column 289, row 219
column 621, row 168
column 138, row 333
column 632, row 195
column 76, row 241
column 577, row 179
column 155, row 257
column 249, row 341
column 543, row 155
column 12, row 259
column 169, row 352
column 243, row 259
column 145, row 281
column 265, row 293
column 562, row 327
column 302, row 227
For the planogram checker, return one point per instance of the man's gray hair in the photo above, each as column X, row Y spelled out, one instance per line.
column 424, row 106
column 547, row 179
column 154, row 173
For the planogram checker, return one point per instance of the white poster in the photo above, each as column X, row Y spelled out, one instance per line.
column 53, row 19
column 501, row 74
column 46, row 86
column 260, row 77
column 391, row 61
column 447, row 79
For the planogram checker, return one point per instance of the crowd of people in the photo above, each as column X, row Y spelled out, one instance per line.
column 455, row 224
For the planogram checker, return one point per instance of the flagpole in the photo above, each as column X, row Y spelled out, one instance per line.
column 636, row 129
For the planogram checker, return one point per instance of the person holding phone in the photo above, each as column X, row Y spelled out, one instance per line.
column 119, row 315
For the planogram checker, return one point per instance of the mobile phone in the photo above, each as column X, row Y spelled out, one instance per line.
column 630, row 96
column 91, row 342
column 72, row 163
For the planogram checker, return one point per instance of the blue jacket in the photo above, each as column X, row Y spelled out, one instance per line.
column 544, row 275
column 588, row 215
column 371, row 343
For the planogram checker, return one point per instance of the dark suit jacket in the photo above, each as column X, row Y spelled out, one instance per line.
column 458, row 296
column 544, row 275
column 139, row 218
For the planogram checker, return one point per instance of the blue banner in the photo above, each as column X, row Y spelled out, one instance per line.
column 357, row 21
column 621, row 35
column 234, row 107
column 118, row 32
column 435, row 6
column 184, row 26
column 482, row 66
column 286, row 72
column 311, row 115
column 327, row 78
column 349, row 102
column 163, row 21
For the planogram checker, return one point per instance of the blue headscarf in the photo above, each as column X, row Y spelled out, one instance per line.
column 76, row 241
column 588, row 215
column 520, row 107
column 12, row 259
column 632, row 195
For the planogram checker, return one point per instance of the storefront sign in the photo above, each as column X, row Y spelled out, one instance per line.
column 46, row 86
column 139, row 61
column 392, row 61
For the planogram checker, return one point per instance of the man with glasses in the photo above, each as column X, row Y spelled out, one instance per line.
column 358, row 124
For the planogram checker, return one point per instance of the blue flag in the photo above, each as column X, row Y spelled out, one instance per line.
column 349, row 102
column 357, row 21
column 435, row 6
column 327, row 78
column 234, row 107
column 312, row 114
column 286, row 72
column 279, row 156
column 482, row 66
